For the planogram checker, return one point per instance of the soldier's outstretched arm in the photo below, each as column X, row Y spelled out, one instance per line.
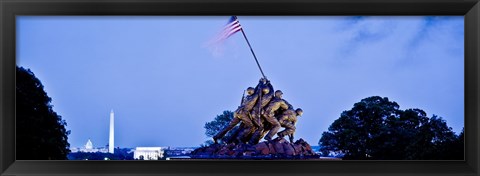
column 284, row 105
column 270, row 87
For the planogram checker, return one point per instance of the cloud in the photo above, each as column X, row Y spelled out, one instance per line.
column 397, row 39
column 363, row 31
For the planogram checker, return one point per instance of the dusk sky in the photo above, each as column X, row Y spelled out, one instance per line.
column 164, row 79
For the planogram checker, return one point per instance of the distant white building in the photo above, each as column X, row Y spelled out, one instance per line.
column 111, row 144
column 88, row 148
column 89, row 145
column 148, row 153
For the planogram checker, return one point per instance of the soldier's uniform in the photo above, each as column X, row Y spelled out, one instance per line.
column 257, row 112
column 288, row 120
column 276, row 104
column 242, row 114
column 259, row 134
column 264, row 100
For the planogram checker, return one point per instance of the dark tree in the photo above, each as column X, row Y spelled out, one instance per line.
column 375, row 128
column 40, row 131
column 220, row 122
column 457, row 148
column 399, row 133
column 437, row 141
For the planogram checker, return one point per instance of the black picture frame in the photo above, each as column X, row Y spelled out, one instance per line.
column 470, row 9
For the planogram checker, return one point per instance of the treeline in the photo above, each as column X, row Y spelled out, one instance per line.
column 375, row 128
column 118, row 154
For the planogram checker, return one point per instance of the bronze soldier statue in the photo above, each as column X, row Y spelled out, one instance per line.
column 276, row 104
column 266, row 97
column 242, row 114
column 265, row 90
column 267, row 126
column 270, row 125
column 288, row 120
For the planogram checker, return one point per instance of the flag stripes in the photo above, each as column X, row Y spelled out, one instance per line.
column 231, row 28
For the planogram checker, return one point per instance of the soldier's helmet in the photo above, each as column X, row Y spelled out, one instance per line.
column 250, row 90
column 265, row 90
column 299, row 111
column 278, row 93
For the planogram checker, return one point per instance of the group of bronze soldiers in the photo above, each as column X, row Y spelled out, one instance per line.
column 262, row 113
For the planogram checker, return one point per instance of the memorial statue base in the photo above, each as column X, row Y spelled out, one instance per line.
column 275, row 149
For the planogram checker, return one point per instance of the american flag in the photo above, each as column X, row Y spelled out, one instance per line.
column 216, row 44
column 231, row 28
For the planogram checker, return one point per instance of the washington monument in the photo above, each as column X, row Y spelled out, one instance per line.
column 110, row 140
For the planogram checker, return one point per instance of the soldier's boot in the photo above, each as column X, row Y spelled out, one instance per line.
column 268, row 138
column 255, row 136
column 252, row 141
column 239, row 141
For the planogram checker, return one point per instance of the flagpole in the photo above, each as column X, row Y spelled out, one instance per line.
column 256, row 60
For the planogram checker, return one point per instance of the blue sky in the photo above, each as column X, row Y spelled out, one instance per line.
column 164, row 80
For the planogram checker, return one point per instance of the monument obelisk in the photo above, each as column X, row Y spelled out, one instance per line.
column 110, row 139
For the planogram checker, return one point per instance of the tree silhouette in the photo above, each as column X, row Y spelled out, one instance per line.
column 40, row 131
column 375, row 128
column 220, row 122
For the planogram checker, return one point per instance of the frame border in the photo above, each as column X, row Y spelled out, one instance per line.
column 470, row 9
